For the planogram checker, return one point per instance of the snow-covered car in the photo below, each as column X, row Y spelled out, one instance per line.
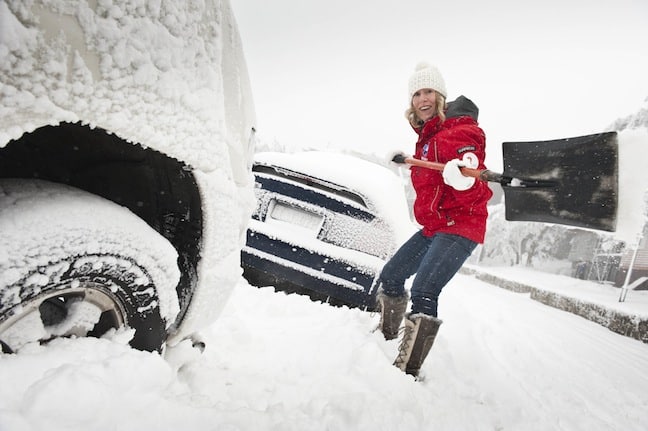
column 324, row 225
column 125, row 152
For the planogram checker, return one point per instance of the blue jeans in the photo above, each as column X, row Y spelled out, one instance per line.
column 434, row 260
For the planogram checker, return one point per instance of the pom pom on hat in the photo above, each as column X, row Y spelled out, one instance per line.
column 426, row 76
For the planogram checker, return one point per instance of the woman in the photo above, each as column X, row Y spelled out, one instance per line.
column 450, row 207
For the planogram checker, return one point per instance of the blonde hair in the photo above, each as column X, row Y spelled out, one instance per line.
column 416, row 122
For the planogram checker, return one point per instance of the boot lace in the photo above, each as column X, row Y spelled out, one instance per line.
column 405, row 348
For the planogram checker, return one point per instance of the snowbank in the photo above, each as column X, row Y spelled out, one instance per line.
column 277, row 362
column 591, row 300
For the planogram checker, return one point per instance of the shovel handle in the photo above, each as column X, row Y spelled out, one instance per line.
column 480, row 174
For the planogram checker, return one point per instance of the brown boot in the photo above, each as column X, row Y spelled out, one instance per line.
column 392, row 309
column 419, row 335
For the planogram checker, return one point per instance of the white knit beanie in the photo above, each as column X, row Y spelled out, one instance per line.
column 426, row 76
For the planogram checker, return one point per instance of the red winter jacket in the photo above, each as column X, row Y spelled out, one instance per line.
column 439, row 207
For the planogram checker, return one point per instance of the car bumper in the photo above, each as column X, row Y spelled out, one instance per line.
column 291, row 267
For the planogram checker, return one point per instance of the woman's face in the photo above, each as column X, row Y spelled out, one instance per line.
column 424, row 103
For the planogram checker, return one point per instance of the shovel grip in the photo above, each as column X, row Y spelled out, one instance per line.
column 480, row 174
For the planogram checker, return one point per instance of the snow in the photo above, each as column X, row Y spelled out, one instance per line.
column 587, row 291
column 274, row 361
column 502, row 361
column 138, row 56
column 45, row 223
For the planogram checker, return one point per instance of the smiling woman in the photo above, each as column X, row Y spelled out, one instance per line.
column 428, row 94
column 450, row 207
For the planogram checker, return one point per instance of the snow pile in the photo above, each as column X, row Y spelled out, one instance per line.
column 584, row 290
column 591, row 300
column 501, row 361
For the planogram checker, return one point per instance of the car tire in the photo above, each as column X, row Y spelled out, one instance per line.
column 73, row 264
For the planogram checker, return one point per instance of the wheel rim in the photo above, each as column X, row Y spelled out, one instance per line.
column 83, row 311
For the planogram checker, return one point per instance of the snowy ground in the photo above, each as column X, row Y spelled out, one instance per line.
column 274, row 362
column 604, row 295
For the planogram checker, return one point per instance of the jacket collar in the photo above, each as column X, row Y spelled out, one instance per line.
column 434, row 124
column 431, row 126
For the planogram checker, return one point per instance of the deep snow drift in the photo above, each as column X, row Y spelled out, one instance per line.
column 277, row 362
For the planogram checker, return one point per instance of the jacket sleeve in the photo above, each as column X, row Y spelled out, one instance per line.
column 459, row 141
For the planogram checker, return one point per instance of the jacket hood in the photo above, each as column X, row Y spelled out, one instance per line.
column 462, row 107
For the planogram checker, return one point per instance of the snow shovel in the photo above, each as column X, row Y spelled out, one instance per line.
column 572, row 181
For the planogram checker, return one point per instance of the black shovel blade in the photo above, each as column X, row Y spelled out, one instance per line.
column 580, row 177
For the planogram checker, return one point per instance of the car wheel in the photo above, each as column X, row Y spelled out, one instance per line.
column 73, row 264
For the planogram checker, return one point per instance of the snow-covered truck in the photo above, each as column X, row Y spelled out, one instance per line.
column 125, row 150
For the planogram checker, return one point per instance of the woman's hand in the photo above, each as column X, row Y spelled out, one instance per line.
column 453, row 177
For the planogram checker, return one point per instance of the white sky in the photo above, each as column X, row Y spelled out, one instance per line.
column 333, row 74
